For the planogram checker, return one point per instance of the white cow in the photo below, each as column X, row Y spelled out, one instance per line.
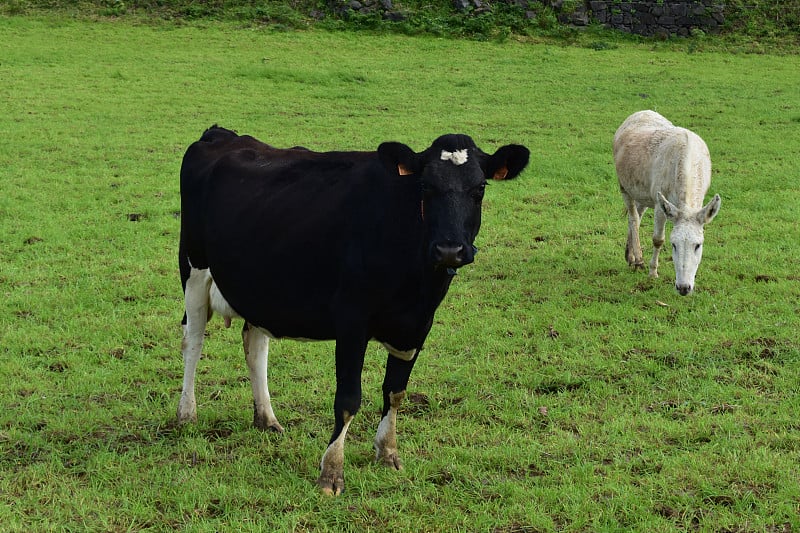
column 668, row 168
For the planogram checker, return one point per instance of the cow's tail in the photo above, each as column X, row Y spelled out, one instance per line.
column 184, row 266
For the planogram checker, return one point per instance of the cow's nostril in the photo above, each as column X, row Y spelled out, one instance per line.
column 450, row 255
column 683, row 289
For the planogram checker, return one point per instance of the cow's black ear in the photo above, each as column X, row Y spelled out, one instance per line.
column 507, row 162
column 398, row 158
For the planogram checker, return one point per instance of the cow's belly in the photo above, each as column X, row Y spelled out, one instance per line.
column 270, row 310
column 402, row 333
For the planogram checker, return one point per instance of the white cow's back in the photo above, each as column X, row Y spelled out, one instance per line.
column 652, row 155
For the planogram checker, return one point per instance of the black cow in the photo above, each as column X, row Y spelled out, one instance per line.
column 350, row 246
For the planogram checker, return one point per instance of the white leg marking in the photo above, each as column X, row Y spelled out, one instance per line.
column 196, row 302
column 331, row 477
column 256, row 351
column 405, row 355
column 386, row 437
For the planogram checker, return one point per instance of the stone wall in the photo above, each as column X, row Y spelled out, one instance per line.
column 650, row 18
column 654, row 17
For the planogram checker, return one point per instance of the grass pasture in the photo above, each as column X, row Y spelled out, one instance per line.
column 558, row 391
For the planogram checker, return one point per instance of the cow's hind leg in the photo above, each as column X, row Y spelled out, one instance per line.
column 197, row 309
column 394, row 391
column 256, row 351
column 633, row 248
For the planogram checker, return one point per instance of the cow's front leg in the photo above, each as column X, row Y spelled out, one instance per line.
column 659, row 223
column 196, row 304
column 331, row 476
column 256, row 353
column 386, row 438
column 633, row 247
column 394, row 391
column 349, row 363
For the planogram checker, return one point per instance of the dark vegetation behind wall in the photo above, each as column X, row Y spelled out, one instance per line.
column 758, row 19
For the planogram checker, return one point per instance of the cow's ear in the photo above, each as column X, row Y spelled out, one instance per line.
column 506, row 163
column 711, row 209
column 669, row 209
column 398, row 158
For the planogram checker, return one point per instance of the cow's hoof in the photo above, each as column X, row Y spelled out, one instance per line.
column 274, row 427
column 331, row 485
column 391, row 460
column 186, row 418
column 267, row 425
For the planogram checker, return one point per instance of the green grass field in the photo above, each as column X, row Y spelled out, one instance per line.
column 559, row 390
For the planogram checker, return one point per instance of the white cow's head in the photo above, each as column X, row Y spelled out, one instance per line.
column 687, row 239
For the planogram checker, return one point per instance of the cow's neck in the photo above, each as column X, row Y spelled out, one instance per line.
column 435, row 286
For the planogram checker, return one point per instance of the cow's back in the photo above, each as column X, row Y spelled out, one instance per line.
column 310, row 225
column 652, row 155
column 197, row 168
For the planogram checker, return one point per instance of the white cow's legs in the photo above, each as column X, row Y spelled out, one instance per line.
column 196, row 301
column 256, row 351
column 659, row 223
column 633, row 248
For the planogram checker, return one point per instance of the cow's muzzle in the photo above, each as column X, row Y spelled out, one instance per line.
column 452, row 255
column 683, row 289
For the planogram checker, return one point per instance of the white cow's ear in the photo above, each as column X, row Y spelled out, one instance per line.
column 711, row 209
column 669, row 209
column 398, row 158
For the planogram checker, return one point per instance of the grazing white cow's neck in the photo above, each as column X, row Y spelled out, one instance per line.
column 459, row 157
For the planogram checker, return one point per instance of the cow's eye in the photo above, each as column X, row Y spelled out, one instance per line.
column 696, row 248
column 478, row 191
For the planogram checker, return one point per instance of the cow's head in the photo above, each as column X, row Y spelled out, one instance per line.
column 452, row 174
column 687, row 238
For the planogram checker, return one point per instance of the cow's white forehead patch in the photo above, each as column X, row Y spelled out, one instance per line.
column 459, row 157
